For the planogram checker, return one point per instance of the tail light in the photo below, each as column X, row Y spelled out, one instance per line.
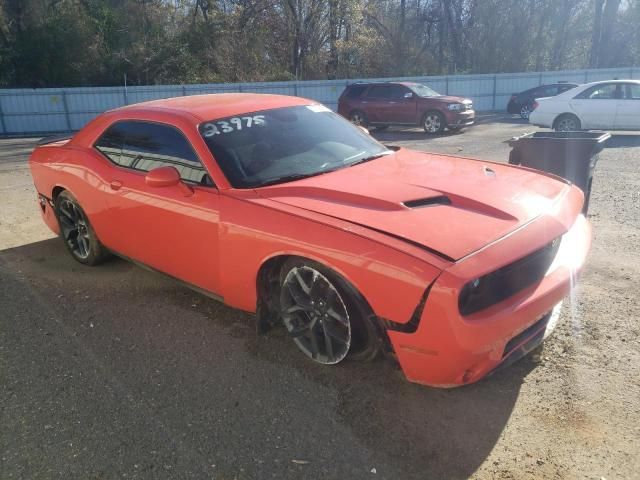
column 513, row 97
column 534, row 105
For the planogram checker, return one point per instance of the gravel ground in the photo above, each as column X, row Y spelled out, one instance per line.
column 116, row 372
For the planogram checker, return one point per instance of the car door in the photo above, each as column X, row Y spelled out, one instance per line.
column 628, row 114
column 376, row 102
column 162, row 227
column 402, row 106
column 597, row 105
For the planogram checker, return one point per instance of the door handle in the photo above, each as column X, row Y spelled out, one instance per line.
column 115, row 184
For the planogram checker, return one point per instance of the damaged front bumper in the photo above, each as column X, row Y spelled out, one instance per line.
column 448, row 349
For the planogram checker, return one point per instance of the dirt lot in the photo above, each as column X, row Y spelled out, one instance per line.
column 115, row 372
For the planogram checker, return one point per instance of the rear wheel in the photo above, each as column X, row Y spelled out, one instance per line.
column 358, row 118
column 567, row 122
column 76, row 231
column 525, row 111
column 321, row 314
column 433, row 122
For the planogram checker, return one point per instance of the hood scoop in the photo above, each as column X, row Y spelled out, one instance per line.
column 427, row 202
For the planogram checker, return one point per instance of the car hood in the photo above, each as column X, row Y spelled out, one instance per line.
column 449, row 205
column 448, row 99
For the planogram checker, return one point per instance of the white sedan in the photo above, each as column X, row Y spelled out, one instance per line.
column 612, row 105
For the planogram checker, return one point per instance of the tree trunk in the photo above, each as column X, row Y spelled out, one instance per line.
column 607, row 55
column 334, row 27
column 595, row 36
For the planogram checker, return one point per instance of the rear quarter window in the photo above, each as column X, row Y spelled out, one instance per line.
column 354, row 91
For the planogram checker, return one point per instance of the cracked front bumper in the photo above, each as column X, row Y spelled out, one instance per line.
column 448, row 349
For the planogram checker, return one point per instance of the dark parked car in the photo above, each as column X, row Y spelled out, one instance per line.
column 522, row 103
column 382, row 104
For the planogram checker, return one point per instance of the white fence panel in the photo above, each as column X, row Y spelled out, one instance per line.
column 51, row 110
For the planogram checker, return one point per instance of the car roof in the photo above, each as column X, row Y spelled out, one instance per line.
column 216, row 105
column 610, row 81
column 554, row 84
column 367, row 84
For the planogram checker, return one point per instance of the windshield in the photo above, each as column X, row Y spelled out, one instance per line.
column 284, row 144
column 423, row 90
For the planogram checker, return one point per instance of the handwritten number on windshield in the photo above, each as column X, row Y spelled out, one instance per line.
column 231, row 125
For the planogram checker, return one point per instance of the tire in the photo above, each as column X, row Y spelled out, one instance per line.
column 325, row 316
column 525, row 111
column 433, row 122
column 567, row 122
column 76, row 231
column 358, row 117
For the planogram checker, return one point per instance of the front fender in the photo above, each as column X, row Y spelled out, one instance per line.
column 391, row 281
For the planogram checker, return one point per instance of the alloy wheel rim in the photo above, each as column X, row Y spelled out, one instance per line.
column 315, row 315
column 566, row 124
column 432, row 123
column 524, row 111
column 357, row 119
column 74, row 228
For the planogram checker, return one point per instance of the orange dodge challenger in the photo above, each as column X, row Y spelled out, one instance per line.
column 278, row 206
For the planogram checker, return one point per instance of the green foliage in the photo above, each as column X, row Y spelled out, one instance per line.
column 46, row 43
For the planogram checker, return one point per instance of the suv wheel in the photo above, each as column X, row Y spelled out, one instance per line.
column 433, row 122
column 358, row 118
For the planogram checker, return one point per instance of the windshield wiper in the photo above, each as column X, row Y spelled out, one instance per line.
column 300, row 176
column 371, row 157
column 287, row 178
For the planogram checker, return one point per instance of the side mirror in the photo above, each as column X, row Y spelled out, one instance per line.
column 408, row 95
column 364, row 129
column 167, row 177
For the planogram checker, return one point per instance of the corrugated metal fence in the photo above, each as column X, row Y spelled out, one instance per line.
column 50, row 110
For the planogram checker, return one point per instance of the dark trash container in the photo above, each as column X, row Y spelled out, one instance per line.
column 571, row 155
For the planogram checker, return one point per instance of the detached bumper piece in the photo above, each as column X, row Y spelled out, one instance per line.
column 48, row 212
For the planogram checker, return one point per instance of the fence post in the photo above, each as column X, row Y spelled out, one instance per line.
column 4, row 127
column 126, row 96
column 446, row 85
column 540, row 78
column 586, row 76
column 184, row 90
column 295, row 88
column 66, row 110
column 495, row 81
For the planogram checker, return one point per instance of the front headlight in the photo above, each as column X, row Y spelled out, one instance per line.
column 455, row 106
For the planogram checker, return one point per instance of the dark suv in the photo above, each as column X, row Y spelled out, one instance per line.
column 382, row 104
column 522, row 102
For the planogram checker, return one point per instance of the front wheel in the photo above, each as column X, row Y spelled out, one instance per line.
column 76, row 231
column 322, row 316
column 433, row 122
